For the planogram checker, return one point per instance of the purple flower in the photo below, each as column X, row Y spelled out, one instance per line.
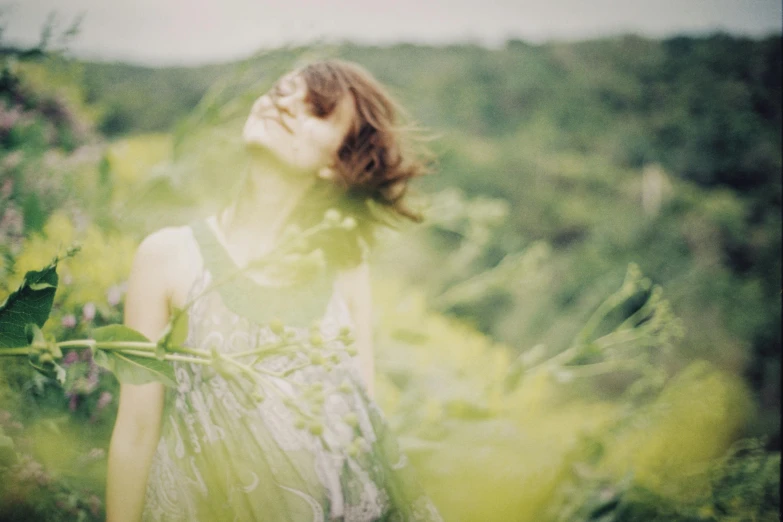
column 7, row 188
column 74, row 402
column 114, row 295
column 68, row 321
column 94, row 504
column 88, row 312
column 70, row 358
column 104, row 400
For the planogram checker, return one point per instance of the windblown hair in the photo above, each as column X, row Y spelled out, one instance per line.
column 374, row 163
column 376, row 158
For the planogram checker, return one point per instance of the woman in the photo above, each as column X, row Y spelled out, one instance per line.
column 296, row 436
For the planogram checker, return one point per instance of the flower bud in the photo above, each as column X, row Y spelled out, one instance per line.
column 353, row 451
column 332, row 216
column 348, row 223
column 316, row 428
column 68, row 321
column 276, row 325
column 88, row 312
column 351, row 420
column 316, row 339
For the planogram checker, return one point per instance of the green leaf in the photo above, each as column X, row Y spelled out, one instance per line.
column 176, row 331
column 34, row 334
column 174, row 335
column 179, row 329
column 29, row 304
column 130, row 369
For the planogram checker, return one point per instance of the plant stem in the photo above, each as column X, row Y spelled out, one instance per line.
column 15, row 351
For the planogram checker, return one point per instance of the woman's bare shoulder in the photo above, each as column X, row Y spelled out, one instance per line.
column 168, row 257
column 165, row 244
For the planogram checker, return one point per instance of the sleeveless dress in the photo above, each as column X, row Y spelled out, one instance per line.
column 297, row 439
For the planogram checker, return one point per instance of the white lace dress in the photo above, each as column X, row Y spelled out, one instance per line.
column 297, row 439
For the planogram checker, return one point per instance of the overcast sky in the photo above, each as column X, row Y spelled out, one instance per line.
column 164, row 32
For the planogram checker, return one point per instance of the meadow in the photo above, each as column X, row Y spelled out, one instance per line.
column 584, row 328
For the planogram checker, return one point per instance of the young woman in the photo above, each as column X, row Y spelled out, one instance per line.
column 302, row 440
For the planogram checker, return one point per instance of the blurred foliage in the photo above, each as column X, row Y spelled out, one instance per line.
column 507, row 362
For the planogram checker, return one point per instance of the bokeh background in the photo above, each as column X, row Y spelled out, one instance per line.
column 586, row 326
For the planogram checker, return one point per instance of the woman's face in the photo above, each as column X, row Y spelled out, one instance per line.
column 283, row 122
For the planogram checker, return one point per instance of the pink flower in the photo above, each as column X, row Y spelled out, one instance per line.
column 88, row 312
column 114, row 295
column 104, row 400
column 68, row 321
column 7, row 188
column 70, row 358
column 94, row 504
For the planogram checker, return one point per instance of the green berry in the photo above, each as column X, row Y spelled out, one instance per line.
column 316, row 339
column 345, row 387
column 316, row 428
column 351, row 420
column 276, row 325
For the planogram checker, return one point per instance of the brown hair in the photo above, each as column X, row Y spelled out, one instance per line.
column 377, row 158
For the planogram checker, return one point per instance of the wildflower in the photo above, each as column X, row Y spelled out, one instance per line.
column 104, row 400
column 114, row 295
column 332, row 216
column 348, row 223
column 88, row 312
column 70, row 358
column 96, row 454
column 94, row 504
column 68, row 321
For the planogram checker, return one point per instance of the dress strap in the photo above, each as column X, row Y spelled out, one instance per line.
column 216, row 259
column 297, row 304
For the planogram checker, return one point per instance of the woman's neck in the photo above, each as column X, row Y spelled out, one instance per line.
column 251, row 224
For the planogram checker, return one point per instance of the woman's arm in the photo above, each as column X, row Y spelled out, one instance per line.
column 137, row 428
column 355, row 287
